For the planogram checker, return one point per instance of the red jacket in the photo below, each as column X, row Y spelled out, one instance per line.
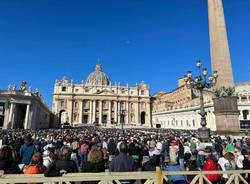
column 211, row 165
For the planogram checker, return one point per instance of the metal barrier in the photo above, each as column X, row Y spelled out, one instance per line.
column 235, row 176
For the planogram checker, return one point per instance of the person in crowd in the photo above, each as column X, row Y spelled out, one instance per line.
column 175, row 179
column 84, row 152
column 36, row 165
column 48, row 157
column 122, row 162
column 148, row 164
column 200, row 153
column 112, row 150
column 190, row 165
column 239, row 158
column 63, row 165
column 94, row 164
column 173, row 151
column 27, row 150
column 226, row 162
column 7, row 164
column 230, row 145
column 181, row 155
column 211, row 165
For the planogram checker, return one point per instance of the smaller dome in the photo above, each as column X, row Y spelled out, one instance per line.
column 98, row 78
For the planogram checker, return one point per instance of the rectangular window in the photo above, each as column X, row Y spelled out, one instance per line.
column 142, row 92
column 245, row 114
column 63, row 89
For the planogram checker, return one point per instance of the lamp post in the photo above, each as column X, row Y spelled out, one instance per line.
column 201, row 82
column 122, row 115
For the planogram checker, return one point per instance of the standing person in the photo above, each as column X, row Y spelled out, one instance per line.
column 201, row 154
column 63, row 165
column 211, row 165
column 226, row 163
column 181, row 155
column 173, row 150
column 84, row 149
column 27, row 150
column 152, row 145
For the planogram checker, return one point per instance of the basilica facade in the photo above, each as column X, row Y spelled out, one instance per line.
column 97, row 101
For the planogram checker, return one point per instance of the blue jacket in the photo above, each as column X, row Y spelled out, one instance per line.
column 176, row 177
column 26, row 153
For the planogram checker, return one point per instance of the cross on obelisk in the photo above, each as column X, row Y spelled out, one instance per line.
column 220, row 54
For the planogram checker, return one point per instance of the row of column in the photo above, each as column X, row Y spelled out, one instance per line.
column 10, row 117
column 92, row 112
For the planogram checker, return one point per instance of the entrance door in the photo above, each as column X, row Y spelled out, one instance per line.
column 96, row 120
column 20, row 113
column 62, row 117
column 104, row 119
column 143, row 114
column 85, row 119
column 2, row 109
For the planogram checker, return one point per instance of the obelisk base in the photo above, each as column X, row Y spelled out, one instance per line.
column 226, row 115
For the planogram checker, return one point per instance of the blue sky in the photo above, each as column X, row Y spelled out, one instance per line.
column 152, row 40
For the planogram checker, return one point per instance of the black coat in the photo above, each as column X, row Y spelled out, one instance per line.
column 9, row 167
column 92, row 168
column 55, row 167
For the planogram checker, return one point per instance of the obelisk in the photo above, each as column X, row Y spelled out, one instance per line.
column 225, row 107
column 219, row 49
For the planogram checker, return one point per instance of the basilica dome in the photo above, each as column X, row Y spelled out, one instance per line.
column 98, row 78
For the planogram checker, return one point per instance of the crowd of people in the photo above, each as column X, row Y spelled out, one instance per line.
column 91, row 149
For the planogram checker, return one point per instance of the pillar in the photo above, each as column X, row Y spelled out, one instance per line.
column 116, row 113
column 139, row 113
column 80, row 111
column 109, row 113
column 27, row 124
column 90, row 112
column 70, row 110
column 100, row 112
column 94, row 111
column 119, row 111
column 128, row 113
column 10, row 123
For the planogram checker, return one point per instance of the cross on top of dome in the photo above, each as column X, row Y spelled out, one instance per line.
column 98, row 67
